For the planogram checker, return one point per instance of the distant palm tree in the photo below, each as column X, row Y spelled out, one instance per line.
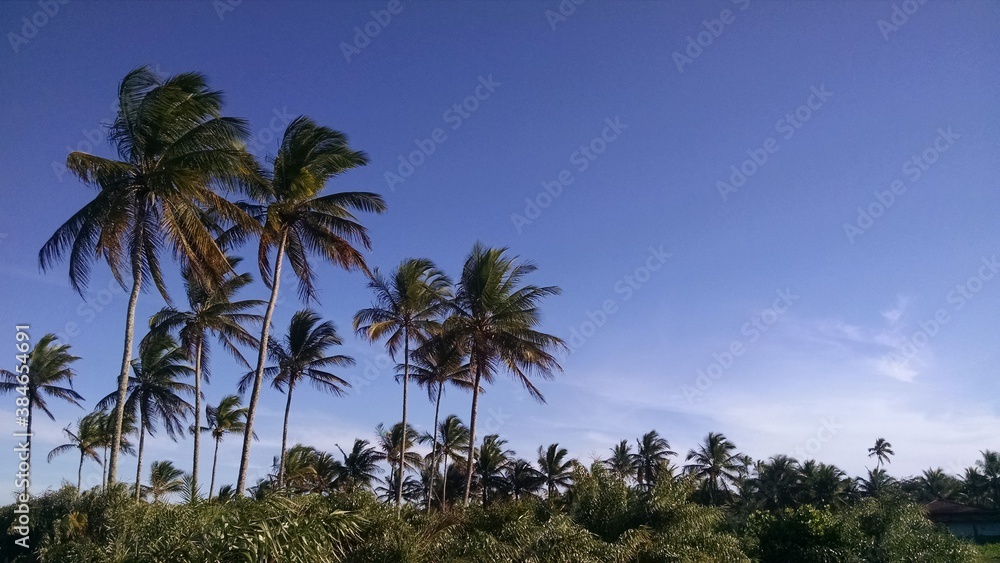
column 881, row 451
column 651, row 458
column 212, row 311
column 308, row 470
column 302, row 356
column 523, row 479
column 622, row 461
column 989, row 468
column 437, row 362
column 452, row 442
column 495, row 319
column 556, row 470
column 229, row 417
column 47, row 373
column 820, row 484
column 935, row 484
column 492, row 461
column 173, row 145
column 876, row 482
column 396, row 447
column 407, row 304
column 717, row 464
column 297, row 221
column 360, row 467
column 86, row 440
column 164, row 479
column 154, row 391
column 776, row 481
column 107, row 436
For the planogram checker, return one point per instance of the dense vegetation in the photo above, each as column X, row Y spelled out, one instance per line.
column 184, row 185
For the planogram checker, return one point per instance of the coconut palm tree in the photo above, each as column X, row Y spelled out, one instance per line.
column 523, row 479
column 165, row 479
column 48, row 373
column 821, row 484
column 301, row 356
column 622, row 461
column 361, row 466
column 211, row 311
column 556, row 470
column 881, row 451
column 107, row 437
column 297, row 222
column 155, row 391
column 717, row 464
column 876, row 482
column 492, row 461
column 775, row 483
column 452, row 442
column 396, row 447
column 229, row 417
column 437, row 362
column 989, row 468
column 495, row 319
column 173, row 145
column 86, row 440
column 934, row 484
column 407, row 304
column 651, row 458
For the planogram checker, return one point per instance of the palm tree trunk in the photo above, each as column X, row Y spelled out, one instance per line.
column 28, row 442
column 79, row 475
column 434, row 441
column 444, row 484
column 123, row 373
column 197, row 417
column 472, row 435
column 215, row 459
column 138, row 465
column 259, row 372
column 402, row 447
column 104, row 472
column 284, row 432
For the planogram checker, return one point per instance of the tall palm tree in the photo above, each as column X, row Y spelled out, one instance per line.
column 49, row 374
column 452, row 442
column 622, row 461
column 492, row 460
column 881, row 451
column 360, row 467
column 437, row 362
column 397, row 446
column 211, row 311
column 407, row 305
column 717, row 464
column 229, row 417
column 651, row 458
column 298, row 221
column 173, row 145
column 495, row 318
column 107, row 436
column 302, row 356
column 155, row 391
column 556, row 470
column 523, row 479
column 86, row 440
column 164, row 479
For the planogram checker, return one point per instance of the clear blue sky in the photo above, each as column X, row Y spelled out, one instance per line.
column 648, row 131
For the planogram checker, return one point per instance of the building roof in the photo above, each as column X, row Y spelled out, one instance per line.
column 947, row 511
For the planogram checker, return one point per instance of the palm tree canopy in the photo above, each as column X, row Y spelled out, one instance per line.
column 49, row 368
column 164, row 479
column 228, row 417
column 438, row 361
column 554, row 467
column 86, row 439
column 391, row 442
column 361, row 466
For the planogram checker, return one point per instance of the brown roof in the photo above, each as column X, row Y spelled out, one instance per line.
column 947, row 511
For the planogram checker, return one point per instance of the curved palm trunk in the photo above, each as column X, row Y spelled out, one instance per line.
column 138, row 465
column 402, row 446
column 79, row 474
column 123, row 374
column 259, row 372
column 197, row 417
column 284, row 433
column 444, row 484
column 215, row 459
column 472, row 435
column 434, row 448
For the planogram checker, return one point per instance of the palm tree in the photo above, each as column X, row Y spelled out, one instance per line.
column 164, row 479
column 49, row 374
column 407, row 304
column 437, row 362
column 989, row 468
column 651, row 458
column 360, row 467
column 302, row 356
column 173, row 145
column 523, row 479
column 492, row 462
column 211, row 311
column 297, row 221
column 776, row 481
column 229, row 417
column 554, row 468
column 495, row 319
column 881, row 451
column 452, row 442
column 396, row 447
column 935, row 484
column 821, row 484
column 86, row 439
column 716, row 463
column 154, row 391
column 107, row 436
column 875, row 482
column 622, row 461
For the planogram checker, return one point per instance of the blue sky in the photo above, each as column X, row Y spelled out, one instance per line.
column 772, row 220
